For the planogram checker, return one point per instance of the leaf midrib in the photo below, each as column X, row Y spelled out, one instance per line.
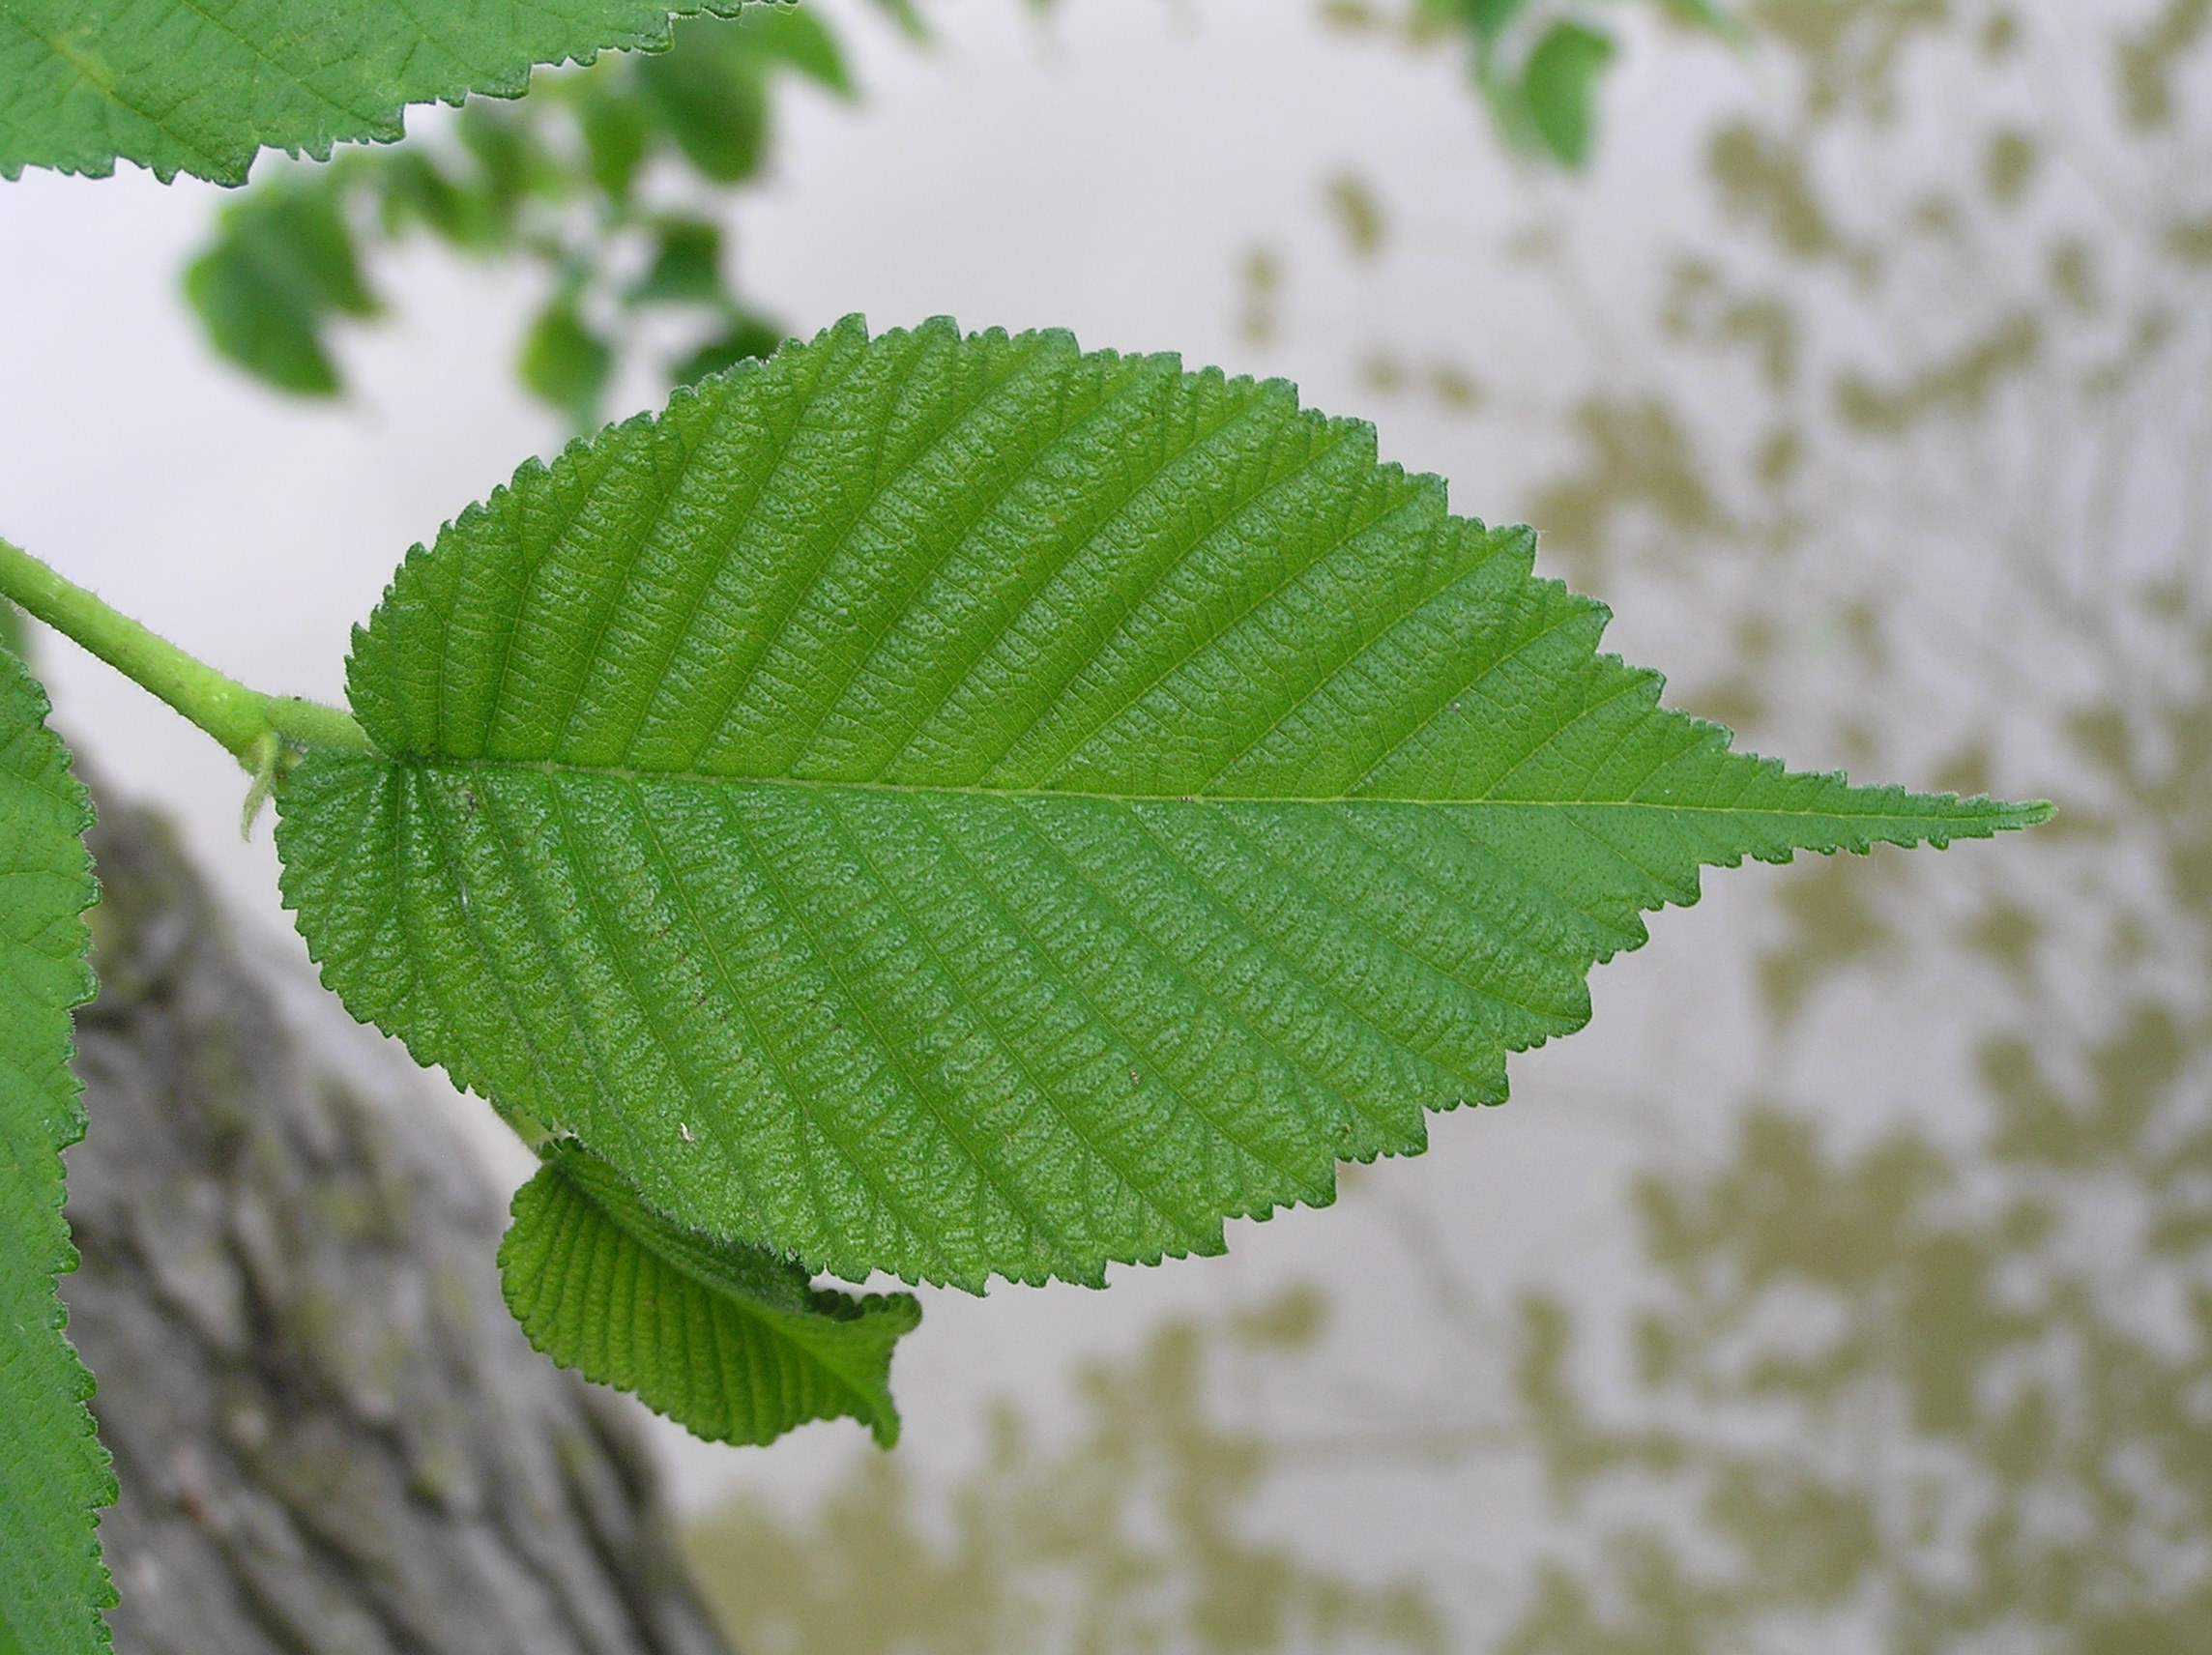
column 2029, row 811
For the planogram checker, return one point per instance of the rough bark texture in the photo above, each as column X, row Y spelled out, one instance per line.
column 330, row 1435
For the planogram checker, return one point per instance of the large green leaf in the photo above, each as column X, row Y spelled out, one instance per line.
column 954, row 806
column 53, row 1472
column 201, row 86
column 728, row 1340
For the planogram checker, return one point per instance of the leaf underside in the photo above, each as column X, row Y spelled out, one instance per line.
column 728, row 1341
column 958, row 805
column 201, row 86
column 55, row 1473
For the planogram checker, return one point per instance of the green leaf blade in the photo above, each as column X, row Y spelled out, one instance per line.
column 1016, row 808
column 202, row 88
column 54, row 1474
column 728, row 1341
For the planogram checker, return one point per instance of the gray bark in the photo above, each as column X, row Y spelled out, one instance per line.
column 332, row 1438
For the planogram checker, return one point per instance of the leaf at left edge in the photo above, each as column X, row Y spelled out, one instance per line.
column 54, row 1474
column 728, row 1341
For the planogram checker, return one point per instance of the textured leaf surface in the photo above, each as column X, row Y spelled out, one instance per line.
column 53, row 1472
column 201, row 86
column 727, row 1340
column 954, row 806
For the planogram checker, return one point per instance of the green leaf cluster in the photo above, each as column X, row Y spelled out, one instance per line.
column 53, row 1472
column 285, row 261
column 960, row 806
column 556, row 179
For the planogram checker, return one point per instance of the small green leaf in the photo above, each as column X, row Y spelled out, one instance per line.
column 958, row 805
column 616, row 136
column 1489, row 17
column 1561, row 88
column 54, row 1474
column 728, row 1341
column 711, row 90
column 510, row 154
column 281, row 265
column 907, row 17
column 563, row 363
column 201, row 86
column 686, row 266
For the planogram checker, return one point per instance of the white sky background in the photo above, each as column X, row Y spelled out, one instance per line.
column 1107, row 172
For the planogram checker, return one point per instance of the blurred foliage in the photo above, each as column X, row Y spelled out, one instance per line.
column 609, row 180
column 1537, row 63
column 1128, row 1541
column 1908, row 1389
column 612, row 180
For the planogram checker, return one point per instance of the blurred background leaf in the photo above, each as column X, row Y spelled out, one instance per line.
column 283, row 262
column 1560, row 87
column 1538, row 65
column 596, row 173
column 559, row 178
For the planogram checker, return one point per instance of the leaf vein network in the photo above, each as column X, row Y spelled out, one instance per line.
column 771, row 1054
column 921, row 932
column 882, row 484
column 861, row 1005
column 1339, row 432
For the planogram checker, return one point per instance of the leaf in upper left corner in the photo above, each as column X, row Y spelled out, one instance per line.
column 202, row 86
column 54, row 1474
column 728, row 1341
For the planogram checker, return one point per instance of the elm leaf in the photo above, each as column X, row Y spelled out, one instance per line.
column 54, row 1474
column 727, row 1340
column 958, row 805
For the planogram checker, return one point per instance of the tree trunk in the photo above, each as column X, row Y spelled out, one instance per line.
column 330, row 1435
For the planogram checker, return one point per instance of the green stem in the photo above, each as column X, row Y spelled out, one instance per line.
column 247, row 723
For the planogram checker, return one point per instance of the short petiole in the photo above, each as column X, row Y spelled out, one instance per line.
column 244, row 720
